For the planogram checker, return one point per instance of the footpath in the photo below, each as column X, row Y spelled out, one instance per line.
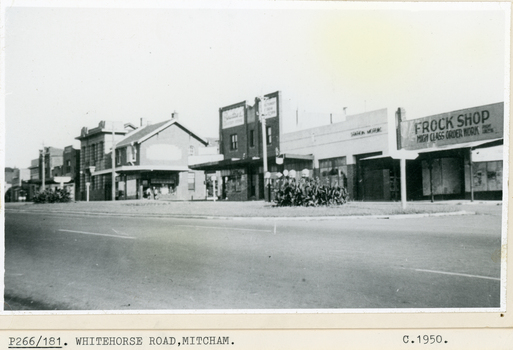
column 262, row 210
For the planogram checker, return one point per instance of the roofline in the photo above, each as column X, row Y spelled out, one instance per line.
column 234, row 105
column 165, row 126
column 156, row 131
column 201, row 139
column 106, row 131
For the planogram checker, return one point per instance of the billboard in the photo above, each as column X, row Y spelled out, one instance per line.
column 465, row 125
column 233, row 117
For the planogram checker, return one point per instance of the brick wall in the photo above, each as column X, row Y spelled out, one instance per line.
column 251, row 124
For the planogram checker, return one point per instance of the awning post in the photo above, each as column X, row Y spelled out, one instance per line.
column 403, row 182
column 471, row 175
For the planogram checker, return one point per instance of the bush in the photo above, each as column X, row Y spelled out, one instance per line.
column 49, row 196
column 308, row 192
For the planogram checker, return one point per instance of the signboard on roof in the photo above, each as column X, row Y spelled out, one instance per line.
column 233, row 117
column 270, row 108
column 466, row 125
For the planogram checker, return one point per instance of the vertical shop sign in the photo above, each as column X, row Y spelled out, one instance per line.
column 270, row 108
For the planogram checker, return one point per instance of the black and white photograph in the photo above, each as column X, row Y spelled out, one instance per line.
column 255, row 157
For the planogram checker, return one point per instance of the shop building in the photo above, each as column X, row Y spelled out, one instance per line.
column 149, row 162
column 353, row 153
column 153, row 160
column 361, row 153
column 69, row 171
column 47, row 167
column 242, row 135
column 17, row 189
column 34, row 169
column 452, row 148
column 51, row 159
column 95, row 156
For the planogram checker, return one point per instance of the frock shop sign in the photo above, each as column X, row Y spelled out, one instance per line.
column 466, row 125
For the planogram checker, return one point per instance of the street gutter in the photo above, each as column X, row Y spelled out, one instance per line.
column 218, row 217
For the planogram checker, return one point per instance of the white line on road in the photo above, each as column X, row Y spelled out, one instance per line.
column 98, row 234
column 459, row 274
column 227, row 228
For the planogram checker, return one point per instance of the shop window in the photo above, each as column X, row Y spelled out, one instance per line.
column 233, row 142
column 333, row 172
column 128, row 154
column 134, row 153
column 93, row 152
column 192, row 181
column 252, row 138
column 131, row 154
column 101, row 150
column 118, row 157
column 269, row 135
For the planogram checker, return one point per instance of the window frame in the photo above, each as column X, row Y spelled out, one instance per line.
column 251, row 138
column 93, row 152
column 234, row 142
column 191, row 185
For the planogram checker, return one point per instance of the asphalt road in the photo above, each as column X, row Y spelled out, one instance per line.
column 78, row 262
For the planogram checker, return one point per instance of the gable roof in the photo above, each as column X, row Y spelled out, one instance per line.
column 142, row 134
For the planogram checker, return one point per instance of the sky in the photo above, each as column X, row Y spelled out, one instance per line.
column 75, row 63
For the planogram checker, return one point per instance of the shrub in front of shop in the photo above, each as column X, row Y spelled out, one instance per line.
column 48, row 196
column 308, row 193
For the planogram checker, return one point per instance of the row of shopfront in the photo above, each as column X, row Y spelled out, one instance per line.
column 440, row 175
column 361, row 154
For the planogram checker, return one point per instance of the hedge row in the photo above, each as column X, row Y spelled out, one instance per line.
column 49, row 196
column 308, row 192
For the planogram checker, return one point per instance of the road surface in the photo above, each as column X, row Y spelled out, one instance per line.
column 62, row 261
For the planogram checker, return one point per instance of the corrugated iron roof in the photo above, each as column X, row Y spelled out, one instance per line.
column 136, row 135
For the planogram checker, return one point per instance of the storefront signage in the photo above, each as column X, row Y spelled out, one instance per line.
column 163, row 181
column 466, row 125
column 270, row 108
column 365, row 132
column 233, row 117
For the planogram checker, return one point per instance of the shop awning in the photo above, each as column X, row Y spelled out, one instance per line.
column 298, row 156
column 141, row 168
column 232, row 163
column 381, row 156
column 474, row 145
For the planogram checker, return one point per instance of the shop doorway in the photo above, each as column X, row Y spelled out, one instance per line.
column 443, row 178
column 360, row 184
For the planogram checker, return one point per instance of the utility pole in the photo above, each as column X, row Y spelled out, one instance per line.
column 264, row 131
column 43, row 164
column 214, row 184
column 262, row 117
column 402, row 162
column 113, row 160
column 399, row 114
column 471, row 175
